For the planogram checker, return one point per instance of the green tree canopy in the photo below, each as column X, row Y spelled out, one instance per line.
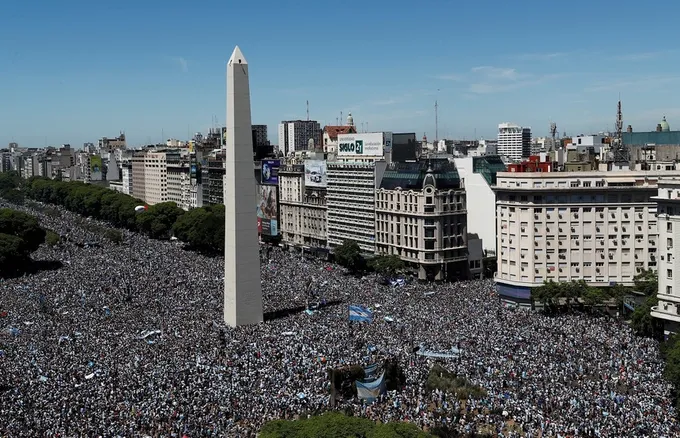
column 388, row 265
column 158, row 220
column 348, row 255
column 647, row 282
column 20, row 235
column 202, row 228
column 336, row 425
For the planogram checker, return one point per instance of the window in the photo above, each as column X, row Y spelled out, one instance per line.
column 669, row 290
column 669, row 243
column 669, row 227
column 669, row 273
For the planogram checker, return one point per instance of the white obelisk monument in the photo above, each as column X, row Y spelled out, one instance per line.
column 242, row 287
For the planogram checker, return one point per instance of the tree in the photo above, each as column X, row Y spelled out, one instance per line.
column 388, row 265
column 647, row 282
column 20, row 235
column 14, row 196
column 52, row 238
column 642, row 322
column 349, row 256
column 202, row 228
column 337, row 425
column 158, row 220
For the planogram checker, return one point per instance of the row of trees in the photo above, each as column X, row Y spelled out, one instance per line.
column 567, row 295
column 20, row 235
column 349, row 255
column 337, row 425
column 201, row 228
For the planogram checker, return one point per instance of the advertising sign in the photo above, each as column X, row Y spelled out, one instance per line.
column 95, row 167
column 267, row 211
column 270, row 172
column 224, row 136
column 369, row 144
column 387, row 141
column 315, row 173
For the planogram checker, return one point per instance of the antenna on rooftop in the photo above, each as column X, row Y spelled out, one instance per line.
column 308, row 111
column 340, row 117
column 436, row 121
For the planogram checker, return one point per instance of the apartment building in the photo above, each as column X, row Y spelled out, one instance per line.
column 421, row 217
column 302, row 210
column 138, row 169
column 126, row 177
column 295, row 135
column 155, row 178
column 514, row 141
column 350, row 200
column 212, row 178
column 668, row 208
column 178, row 179
column 600, row 227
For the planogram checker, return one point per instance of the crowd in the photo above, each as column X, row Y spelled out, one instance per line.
column 129, row 340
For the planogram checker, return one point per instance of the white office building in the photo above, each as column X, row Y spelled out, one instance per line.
column 600, row 227
column 514, row 142
column 479, row 174
column 668, row 208
column 350, row 200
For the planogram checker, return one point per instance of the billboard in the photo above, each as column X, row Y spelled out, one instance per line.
column 315, row 173
column 95, row 168
column 270, row 172
column 267, row 211
column 369, row 144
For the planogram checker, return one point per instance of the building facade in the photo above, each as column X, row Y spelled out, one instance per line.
column 421, row 217
column 350, row 200
column 514, row 141
column 302, row 210
column 212, row 179
column 600, row 227
column 155, row 177
column 668, row 208
column 479, row 174
column 295, row 135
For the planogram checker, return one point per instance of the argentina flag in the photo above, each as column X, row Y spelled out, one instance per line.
column 360, row 313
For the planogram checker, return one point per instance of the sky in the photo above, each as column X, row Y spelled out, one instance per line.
column 73, row 71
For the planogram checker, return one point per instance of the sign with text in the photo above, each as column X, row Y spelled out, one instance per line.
column 368, row 144
column 270, row 172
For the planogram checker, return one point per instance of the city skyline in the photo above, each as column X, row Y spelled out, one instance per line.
column 66, row 78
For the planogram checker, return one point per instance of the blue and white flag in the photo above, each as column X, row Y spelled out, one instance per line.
column 369, row 391
column 360, row 313
column 371, row 371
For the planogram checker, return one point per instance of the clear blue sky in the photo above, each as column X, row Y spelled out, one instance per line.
column 72, row 71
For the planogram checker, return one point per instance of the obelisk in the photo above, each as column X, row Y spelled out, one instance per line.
column 242, row 287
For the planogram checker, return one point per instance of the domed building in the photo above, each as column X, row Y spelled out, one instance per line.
column 664, row 125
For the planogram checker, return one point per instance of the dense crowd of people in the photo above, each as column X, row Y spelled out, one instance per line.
column 129, row 340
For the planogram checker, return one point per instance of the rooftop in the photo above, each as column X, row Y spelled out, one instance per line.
column 411, row 176
column 333, row 131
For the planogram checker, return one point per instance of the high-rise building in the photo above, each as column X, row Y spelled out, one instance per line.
column 138, row 175
column 514, row 141
column 155, row 178
column 600, row 227
column 295, row 135
column 242, row 286
column 350, row 200
column 668, row 209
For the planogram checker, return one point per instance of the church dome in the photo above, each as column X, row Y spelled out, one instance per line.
column 350, row 120
column 664, row 125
